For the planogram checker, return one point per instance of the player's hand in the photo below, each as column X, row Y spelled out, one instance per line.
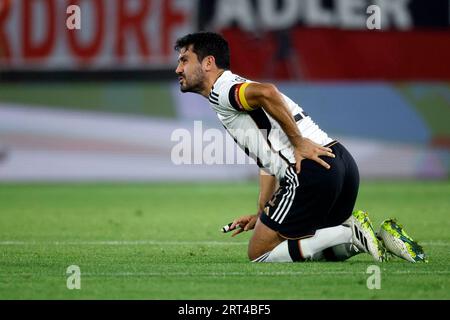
column 308, row 149
column 245, row 223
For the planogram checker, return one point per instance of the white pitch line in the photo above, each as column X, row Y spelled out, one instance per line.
column 272, row 273
column 121, row 243
column 158, row 243
column 231, row 274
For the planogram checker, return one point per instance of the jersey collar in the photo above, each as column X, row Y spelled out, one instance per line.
column 219, row 78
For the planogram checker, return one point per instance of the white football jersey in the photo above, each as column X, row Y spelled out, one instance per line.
column 254, row 130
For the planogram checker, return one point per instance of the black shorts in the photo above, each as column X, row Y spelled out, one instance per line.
column 317, row 198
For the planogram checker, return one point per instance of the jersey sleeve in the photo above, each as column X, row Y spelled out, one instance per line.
column 236, row 97
column 231, row 96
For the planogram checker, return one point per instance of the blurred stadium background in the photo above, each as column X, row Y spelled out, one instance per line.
column 98, row 106
column 101, row 103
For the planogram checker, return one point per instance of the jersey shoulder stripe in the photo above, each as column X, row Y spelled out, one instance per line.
column 213, row 102
column 213, row 98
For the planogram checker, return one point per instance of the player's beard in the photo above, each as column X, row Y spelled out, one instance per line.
column 194, row 82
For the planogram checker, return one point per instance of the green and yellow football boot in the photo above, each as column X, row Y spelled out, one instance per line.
column 363, row 235
column 399, row 243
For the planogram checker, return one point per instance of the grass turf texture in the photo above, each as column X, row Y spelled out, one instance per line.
column 162, row 241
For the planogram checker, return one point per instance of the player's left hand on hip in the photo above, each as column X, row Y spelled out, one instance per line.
column 308, row 149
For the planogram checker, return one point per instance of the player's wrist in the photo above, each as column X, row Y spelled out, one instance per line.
column 296, row 140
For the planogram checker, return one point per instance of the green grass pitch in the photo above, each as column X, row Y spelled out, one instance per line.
column 163, row 241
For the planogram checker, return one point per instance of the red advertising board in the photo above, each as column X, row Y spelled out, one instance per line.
column 277, row 39
column 113, row 33
column 332, row 54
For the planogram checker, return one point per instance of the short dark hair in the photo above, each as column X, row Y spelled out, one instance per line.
column 207, row 44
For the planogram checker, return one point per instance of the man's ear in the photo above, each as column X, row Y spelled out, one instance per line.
column 209, row 63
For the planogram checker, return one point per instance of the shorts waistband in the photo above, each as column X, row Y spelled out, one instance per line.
column 332, row 143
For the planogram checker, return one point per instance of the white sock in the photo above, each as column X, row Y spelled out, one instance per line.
column 279, row 254
column 311, row 248
column 324, row 238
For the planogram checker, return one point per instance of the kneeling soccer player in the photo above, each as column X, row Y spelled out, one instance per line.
column 310, row 181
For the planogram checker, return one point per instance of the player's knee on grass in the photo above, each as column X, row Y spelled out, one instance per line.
column 254, row 253
column 263, row 240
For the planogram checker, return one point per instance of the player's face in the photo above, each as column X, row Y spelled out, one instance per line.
column 190, row 72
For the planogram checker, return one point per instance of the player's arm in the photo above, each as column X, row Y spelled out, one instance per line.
column 267, row 96
column 267, row 186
